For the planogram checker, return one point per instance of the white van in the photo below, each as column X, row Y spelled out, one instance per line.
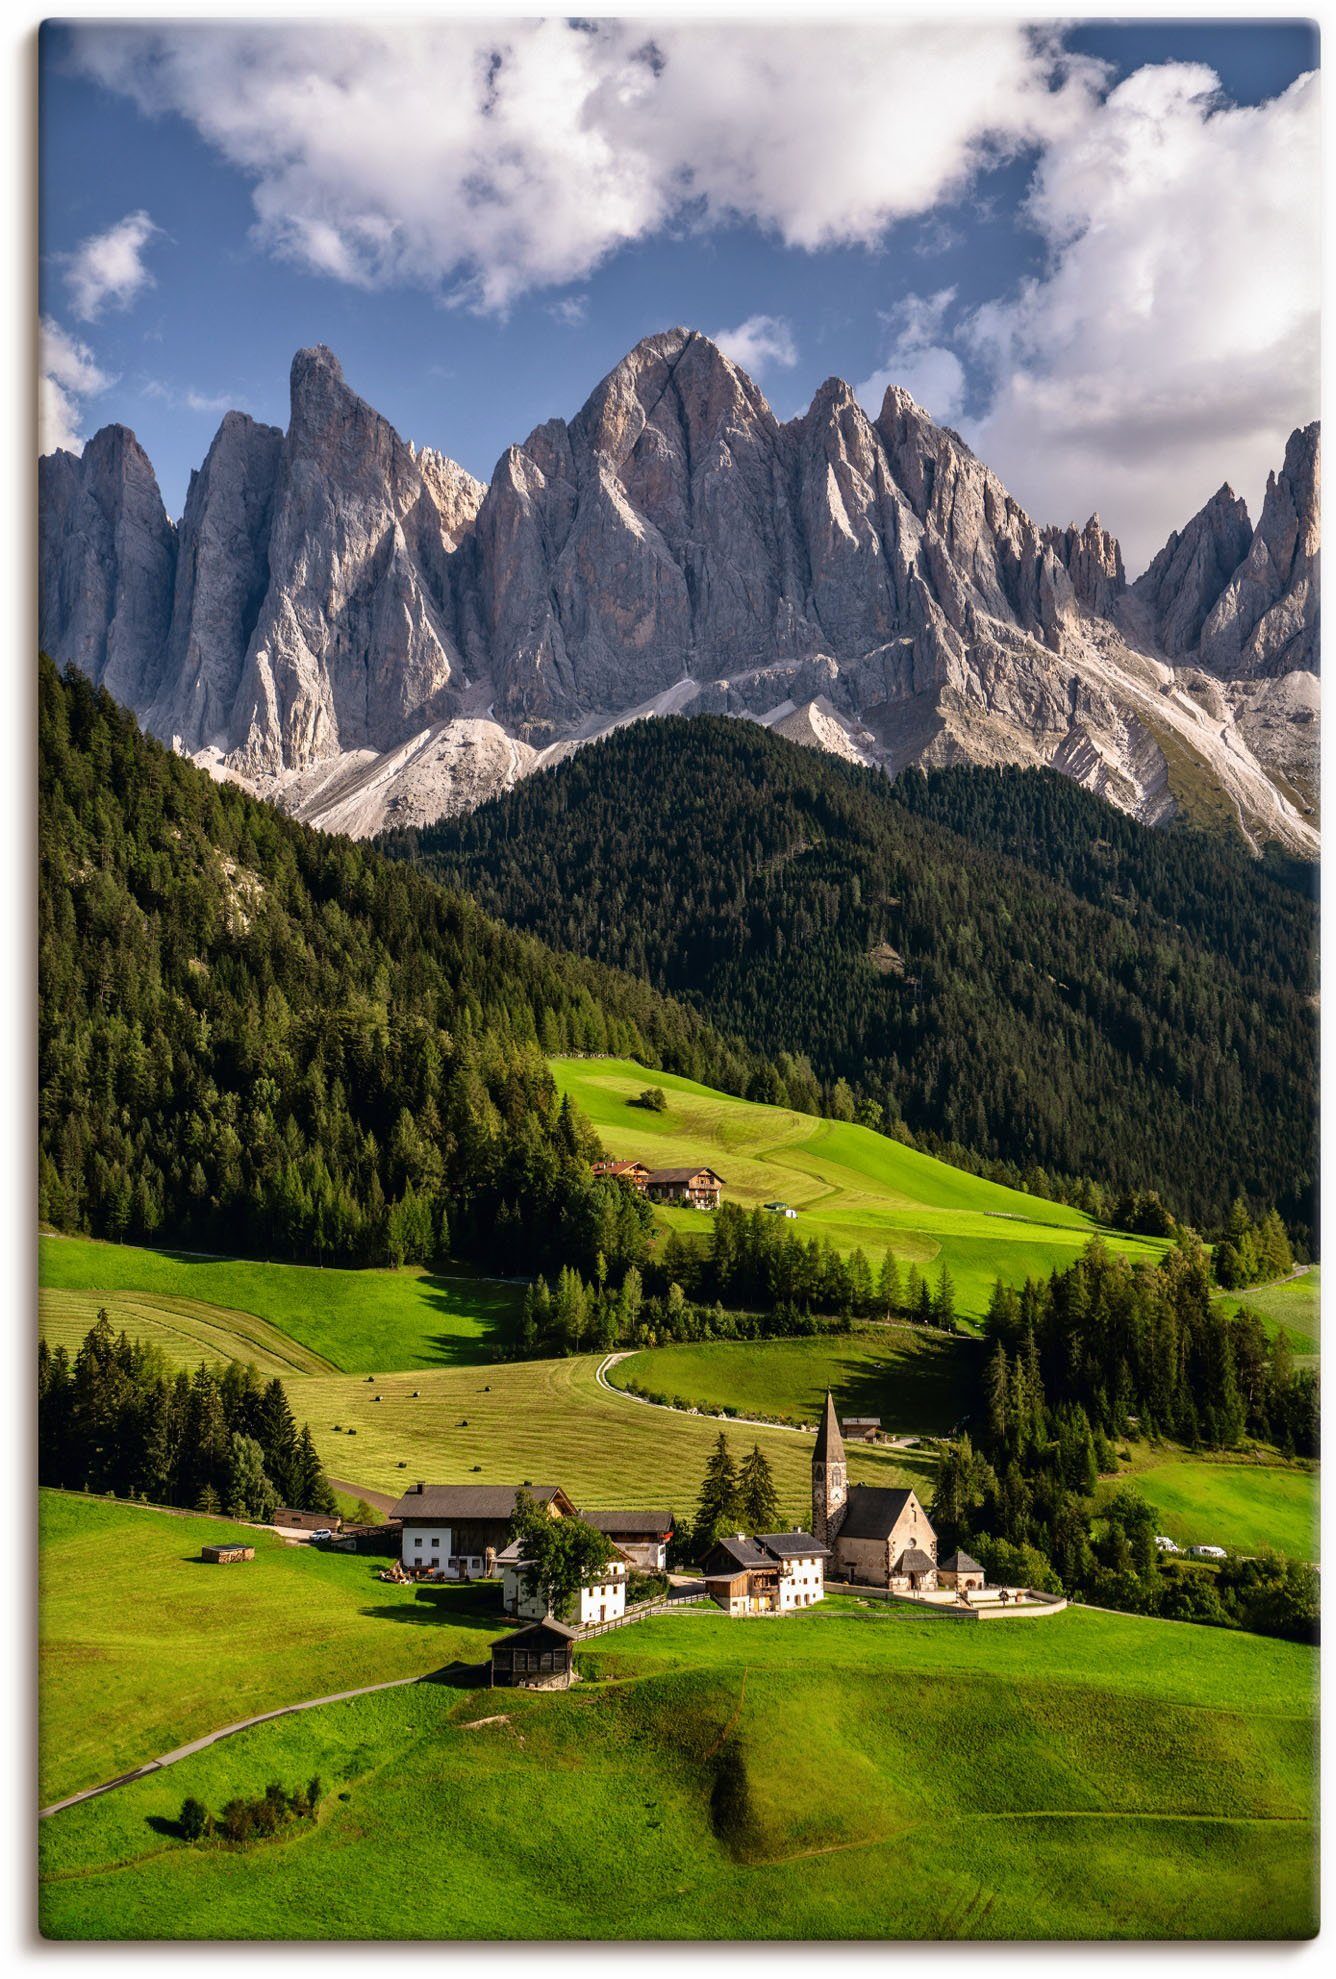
column 1208, row 1553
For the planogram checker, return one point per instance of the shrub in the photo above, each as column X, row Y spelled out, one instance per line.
column 193, row 1819
column 653, row 1099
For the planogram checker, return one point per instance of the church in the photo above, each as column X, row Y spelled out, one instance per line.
column 876, row 1536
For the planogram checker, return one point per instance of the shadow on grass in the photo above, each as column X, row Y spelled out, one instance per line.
column 441, row 1606
column 171, row 1831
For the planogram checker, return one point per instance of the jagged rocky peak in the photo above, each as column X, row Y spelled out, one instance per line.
column 1093, row 559
column 108, row 564
column 222, row 576
column 1183, row 582
column 1265, row 622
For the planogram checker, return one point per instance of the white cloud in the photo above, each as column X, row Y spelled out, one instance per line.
column 917, row 359
column 482, row 160
column 1173, row 339
column 569, row 310
column 184, row 398
column 109, row 267
column 69, row 373
column 759, row 343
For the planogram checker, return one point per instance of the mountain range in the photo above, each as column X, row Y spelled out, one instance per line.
column 359, row 629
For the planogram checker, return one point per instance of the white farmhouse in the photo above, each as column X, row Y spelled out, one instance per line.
column 772, row 1574
column 456, row 1531
column 601, row 1600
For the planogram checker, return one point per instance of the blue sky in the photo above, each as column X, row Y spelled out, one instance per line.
column 1057, row 244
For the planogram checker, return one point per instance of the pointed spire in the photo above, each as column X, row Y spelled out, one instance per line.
column 829, row 1442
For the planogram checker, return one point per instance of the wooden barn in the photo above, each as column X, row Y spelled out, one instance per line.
column 541, row 1657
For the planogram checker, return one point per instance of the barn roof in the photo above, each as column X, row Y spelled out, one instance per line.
column 873, row 1511
column 791, row 1545
column 657, row 1524
column 683, row 1174
column 470, row 1501
column 537, row 1632
column 745, row 1551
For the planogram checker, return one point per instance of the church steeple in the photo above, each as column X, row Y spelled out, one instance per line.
column 830, row 1476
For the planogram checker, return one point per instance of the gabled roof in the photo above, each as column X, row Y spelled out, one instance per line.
column 744, row 1551
column 656, row 1525
column 960, row 1563
column 791, row 1545
column 872, row 1512
column 913, row 1561
column 472, row 1501
column 829, row 1442
column 537, row 1631
column 683, row 1174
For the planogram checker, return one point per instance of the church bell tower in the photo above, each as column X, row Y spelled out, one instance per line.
column 830, row 1477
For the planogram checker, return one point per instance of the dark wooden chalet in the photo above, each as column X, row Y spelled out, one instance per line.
column 697, row 1188
column 541, row 1657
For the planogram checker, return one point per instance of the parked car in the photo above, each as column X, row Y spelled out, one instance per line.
column 1165, row 1544
column 1208, row 1552
column 322, row 1532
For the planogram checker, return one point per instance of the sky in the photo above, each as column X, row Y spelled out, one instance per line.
column 1092, row 249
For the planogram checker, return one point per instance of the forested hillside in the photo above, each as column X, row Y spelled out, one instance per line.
column 1051, row 986
column 258, row 1038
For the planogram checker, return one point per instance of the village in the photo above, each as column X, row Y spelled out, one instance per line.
column 874, row 1540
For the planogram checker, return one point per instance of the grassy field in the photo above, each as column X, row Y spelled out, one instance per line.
column 187, row 1331
column 548, row 1421
column 849, row 1772
column 1217, row 1501
column 912, row 1379
column 848, row 1183
column 359, row 1321
column 1295, row 1304
column 144, row 1647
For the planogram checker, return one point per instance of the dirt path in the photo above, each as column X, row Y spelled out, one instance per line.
column 383, row 1501
column 226, row 1731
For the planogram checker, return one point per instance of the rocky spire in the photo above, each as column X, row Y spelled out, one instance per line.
column 830, row 1477
column 1265, row 621
column 1183, row 582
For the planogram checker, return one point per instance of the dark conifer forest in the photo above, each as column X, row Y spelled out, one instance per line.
column 998, row 962
column 262, row 1039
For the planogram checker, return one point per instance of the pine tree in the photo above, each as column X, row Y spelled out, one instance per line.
column 888, row 1285
column 758, row 1503
column 717, row 1512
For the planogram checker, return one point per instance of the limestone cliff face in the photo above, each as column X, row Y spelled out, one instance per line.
column 221, row 578
column 107, row 565
column 1184, row 582
column 346, row 612
column 1265, row 621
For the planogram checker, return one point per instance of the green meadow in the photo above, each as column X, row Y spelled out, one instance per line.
column 355, row 1320
column 145, row 1647
column 1294, row 1304
column 853, row 1771
column 914, row 1379
column 1247, row 1505
column 854, row 1186
column 550, row 1422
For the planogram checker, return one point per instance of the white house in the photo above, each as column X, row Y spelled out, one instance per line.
column 772, row 1574
column 456, row 1531
column 601, row 1600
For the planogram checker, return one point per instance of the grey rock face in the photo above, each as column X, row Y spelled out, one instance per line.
column 108, row 565
column 1186, row 579
column 350, row 614
column 1265, row 621
column 222, row 576
column 1093, row 560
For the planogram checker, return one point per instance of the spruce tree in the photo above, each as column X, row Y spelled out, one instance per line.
column 758, row 1503
column 717, row 1512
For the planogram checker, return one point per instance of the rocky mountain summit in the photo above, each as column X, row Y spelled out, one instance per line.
column 358, row 628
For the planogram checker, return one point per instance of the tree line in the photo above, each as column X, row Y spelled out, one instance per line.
column 1102, row 1351
column 755, row 1278
column 115, row 1419
column 263, row 1039
column 992, row 964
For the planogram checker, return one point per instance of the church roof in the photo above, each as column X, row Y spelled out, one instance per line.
column 829, row 1442
column 913, row 1561
column 873, row 1511
column 961, row 1563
